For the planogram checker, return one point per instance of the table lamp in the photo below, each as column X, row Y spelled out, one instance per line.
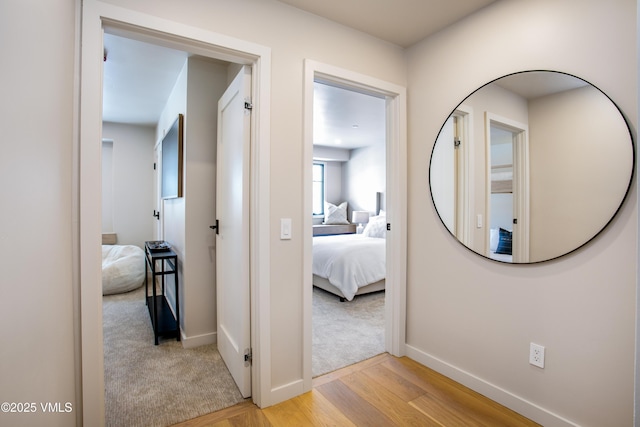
column 360, row 217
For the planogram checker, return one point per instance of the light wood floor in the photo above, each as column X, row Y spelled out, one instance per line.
column 381, row 391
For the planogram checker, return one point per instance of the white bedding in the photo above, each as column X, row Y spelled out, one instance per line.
column 349, row 261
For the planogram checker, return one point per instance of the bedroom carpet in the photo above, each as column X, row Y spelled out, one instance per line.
column 347, row 332
column 148, row 385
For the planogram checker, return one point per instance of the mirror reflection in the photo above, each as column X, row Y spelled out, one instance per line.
column 531, row 166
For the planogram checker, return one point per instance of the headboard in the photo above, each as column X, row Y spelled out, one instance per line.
column 379, row 202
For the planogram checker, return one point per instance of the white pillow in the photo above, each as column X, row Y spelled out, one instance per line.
column 376, row 227
column 335, row 214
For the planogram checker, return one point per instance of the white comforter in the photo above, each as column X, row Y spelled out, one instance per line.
column 349, row 261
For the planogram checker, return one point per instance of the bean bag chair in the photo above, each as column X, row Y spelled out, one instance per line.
column 122, row 268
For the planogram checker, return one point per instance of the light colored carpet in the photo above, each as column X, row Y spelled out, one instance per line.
column 347, row 332
column 148, row 385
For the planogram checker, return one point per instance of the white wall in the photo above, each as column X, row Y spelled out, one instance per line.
column 474, row 319
column 333, row 179
column 132, row 182
column 364, row 176
column 322, row 153
column 37, row 220
column 172, row 211
column 587, row 173
column 187, row 219
column 442, row 175
column 107, row 186
column 206, row 84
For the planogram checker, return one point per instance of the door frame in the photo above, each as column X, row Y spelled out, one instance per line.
column 95, row 17
column 465, row 193
column 396, row 203
column 520, row 183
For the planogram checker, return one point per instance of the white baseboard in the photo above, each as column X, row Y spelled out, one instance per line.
column 198, row 340
column 492, row 391
column 286, row 392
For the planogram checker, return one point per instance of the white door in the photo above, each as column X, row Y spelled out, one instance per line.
column 232, row 240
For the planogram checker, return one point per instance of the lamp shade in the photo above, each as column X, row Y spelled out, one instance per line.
column 360, row 217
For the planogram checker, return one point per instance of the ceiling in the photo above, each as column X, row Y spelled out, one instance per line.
column 401, row 22
column 138, row 77
column 535, row 85
column 347, row 119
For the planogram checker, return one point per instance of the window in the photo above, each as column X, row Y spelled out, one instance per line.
column 318, row 189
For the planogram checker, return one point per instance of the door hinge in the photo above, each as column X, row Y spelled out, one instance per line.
column 248, row 105
column 248, row 357
column 456, row 142
column 388, row 226
column 154, row 166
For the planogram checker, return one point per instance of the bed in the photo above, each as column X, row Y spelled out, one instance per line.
column 351, row 264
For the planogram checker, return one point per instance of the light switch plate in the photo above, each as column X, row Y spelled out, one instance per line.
column 285, row 228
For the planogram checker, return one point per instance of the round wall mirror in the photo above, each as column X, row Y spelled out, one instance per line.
column 531, row 166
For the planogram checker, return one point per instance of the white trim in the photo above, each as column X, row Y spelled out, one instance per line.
column 75, row 220
column 521, row 185
column 395, row 304
column 198, row 340
column 465, row 197
column 287, row 391
column 95, row 14
column 492, row 391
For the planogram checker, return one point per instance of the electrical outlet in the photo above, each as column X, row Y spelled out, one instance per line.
column 536, row 355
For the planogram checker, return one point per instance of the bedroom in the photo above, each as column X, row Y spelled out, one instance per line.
column 134, row 212
column 355, row 172
column 349, row 226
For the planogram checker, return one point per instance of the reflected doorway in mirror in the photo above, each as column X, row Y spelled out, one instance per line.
column 569, row 179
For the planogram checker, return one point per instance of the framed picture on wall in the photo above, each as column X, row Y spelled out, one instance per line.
column 172, row 146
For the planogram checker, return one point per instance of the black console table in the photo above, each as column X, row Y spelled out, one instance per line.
column 162, row 261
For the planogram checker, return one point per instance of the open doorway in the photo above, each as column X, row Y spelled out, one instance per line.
column 192, row 86
column 508, row 192
column 392, row 202
column 95, row 17
column 502, row 196
column 349, row 226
